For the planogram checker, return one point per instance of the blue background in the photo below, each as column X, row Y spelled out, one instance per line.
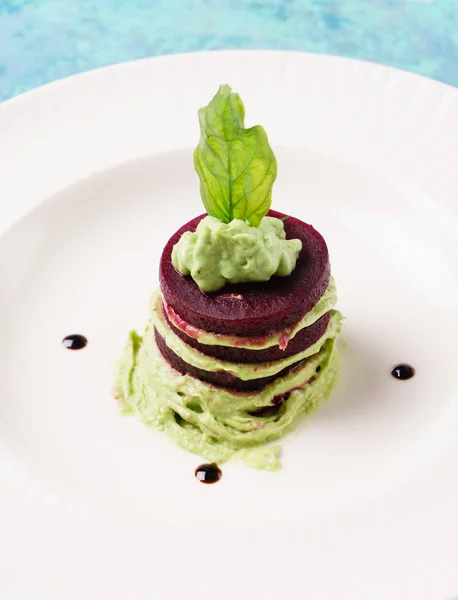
column 43, row 40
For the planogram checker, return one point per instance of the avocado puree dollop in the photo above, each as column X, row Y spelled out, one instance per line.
column 218, row 253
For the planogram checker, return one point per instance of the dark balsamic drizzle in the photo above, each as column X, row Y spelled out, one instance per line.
column 403, row 371
column 208, row 473
column 74, row 341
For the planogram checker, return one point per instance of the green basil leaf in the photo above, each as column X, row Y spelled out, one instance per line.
column 236, row 166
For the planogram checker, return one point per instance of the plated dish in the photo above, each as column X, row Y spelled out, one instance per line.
column 91, row 191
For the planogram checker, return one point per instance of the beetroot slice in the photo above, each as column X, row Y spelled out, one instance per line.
column 301, row 341
column 221, row 379
column 264, row 306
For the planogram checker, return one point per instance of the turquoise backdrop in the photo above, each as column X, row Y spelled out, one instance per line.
column 43, row 40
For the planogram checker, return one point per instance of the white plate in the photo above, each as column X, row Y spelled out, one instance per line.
column 95, row 174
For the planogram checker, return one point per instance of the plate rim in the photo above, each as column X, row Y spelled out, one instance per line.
column 21, row 107
column 236, row 51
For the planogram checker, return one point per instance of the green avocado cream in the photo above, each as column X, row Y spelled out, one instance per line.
column 218, row 253
column 216, row 423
